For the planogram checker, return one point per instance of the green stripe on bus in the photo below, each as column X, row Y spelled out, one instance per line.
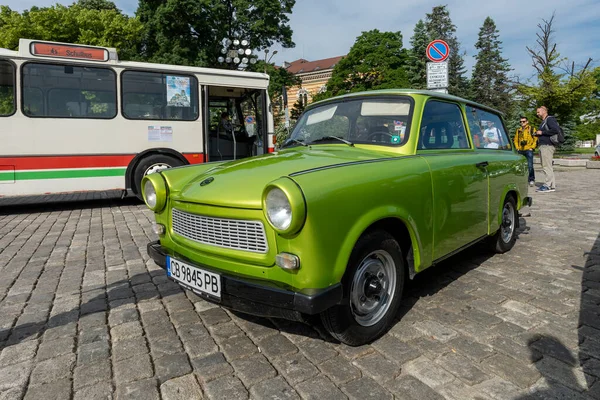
column 60, row 174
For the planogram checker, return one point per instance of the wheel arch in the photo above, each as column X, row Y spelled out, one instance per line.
column 400, row 228
column 510, row 191
column 129, row 173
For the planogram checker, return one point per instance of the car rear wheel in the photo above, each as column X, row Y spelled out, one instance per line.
column 373, row 287
column 506, row 236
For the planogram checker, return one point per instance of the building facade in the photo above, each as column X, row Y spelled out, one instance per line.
column 314, row 76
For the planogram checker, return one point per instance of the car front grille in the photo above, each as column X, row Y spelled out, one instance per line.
column 229, row 233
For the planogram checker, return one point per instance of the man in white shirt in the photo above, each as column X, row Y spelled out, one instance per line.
column 491, row 136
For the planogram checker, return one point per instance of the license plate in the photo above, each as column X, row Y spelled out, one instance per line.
column 194, row 277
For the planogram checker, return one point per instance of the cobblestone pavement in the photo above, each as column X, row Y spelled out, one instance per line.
column 85, row 314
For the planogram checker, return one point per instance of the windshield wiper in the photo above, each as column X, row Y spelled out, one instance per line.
column 321, row 139
column 293, row 141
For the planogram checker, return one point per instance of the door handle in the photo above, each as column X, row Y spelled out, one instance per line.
column 482, row 164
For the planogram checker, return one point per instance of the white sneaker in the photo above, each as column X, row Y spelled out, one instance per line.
column 531, row 183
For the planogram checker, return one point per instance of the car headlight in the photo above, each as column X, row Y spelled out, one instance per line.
column 150, row 194
column 284, row 206
column 279, row 209
column 154, row 192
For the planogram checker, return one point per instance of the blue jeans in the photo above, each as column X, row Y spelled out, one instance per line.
column 529, row 155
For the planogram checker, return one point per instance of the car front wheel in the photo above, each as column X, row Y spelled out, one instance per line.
column 373, row 287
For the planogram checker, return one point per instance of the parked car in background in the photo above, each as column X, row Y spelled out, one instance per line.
column 597, row 150
column 369, row 190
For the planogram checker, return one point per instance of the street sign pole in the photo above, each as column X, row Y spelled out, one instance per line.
column 437, row 52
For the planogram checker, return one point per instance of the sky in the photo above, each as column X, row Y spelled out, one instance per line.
column 328, row 28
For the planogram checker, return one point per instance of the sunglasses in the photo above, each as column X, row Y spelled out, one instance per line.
column 523, row 122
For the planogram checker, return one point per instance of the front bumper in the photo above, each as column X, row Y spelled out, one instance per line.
column 258, row 297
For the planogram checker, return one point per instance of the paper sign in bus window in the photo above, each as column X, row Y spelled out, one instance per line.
column 178, row 91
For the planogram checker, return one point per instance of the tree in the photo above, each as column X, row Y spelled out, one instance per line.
column 279, row 78
column 77, row 23
column 440, row 26
column 297, row 109
column 417, row 59
column 490, row 84
column 560, row 86
column 588, row 125
column 190, row 32
column 98, row 5
column 375, row 61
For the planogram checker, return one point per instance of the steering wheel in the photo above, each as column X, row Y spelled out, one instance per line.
column 379, row 134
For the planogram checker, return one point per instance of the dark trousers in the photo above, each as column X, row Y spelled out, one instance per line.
column 529, row 155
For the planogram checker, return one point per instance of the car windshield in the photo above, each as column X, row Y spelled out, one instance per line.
column 384, row 121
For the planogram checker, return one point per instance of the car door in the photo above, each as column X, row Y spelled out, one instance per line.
column 498, row 155
column 459, row 178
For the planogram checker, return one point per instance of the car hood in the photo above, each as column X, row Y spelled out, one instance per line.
column 241, row 183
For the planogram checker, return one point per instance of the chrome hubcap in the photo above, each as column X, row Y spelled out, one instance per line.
column 508, row 222
column 373, row 288
column 156, row 167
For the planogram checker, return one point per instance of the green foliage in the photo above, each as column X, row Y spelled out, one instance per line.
column 562, row 90
column 587, row 131
column 279, row 77
column 417, row 58
column 7, row 101
column 589, row 124
column 440, row 26
column 490, row 84
column 297, row 110
column 189, row 32
column 375, row 61
column 98, row 5
column 73, row 24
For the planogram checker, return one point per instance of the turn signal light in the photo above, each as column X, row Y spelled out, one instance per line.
column 287, row 261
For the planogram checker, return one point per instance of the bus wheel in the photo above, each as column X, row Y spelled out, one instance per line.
column 150, row 165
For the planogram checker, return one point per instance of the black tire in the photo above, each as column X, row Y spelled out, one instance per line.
column 146, row 163
column 344, row 322
column 506, row 236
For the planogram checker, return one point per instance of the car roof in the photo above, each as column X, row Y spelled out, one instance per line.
column 429, row 93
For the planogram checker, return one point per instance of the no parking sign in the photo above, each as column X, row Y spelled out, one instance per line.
column 438, row 51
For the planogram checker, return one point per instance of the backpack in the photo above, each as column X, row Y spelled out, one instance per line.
column 558, row 138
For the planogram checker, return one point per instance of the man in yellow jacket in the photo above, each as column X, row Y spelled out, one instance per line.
column 525, row 143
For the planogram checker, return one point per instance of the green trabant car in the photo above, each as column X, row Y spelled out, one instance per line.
column 368, row 190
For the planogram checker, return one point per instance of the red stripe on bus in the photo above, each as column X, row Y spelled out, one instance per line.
column 87, row 161
column 194, row 158
column 63, row 162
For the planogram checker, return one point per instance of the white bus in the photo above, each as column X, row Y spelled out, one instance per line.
column 74, row 118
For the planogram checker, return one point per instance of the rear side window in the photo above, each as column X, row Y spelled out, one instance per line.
column 67, row 91
column 7, row 89
column 487, row 129
column 159, row 96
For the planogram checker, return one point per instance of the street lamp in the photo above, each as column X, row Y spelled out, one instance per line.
column 236, row 53
column 269, row 60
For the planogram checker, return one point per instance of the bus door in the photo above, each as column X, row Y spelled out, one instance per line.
column 235, row 122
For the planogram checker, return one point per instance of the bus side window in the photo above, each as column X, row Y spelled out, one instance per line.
column 159, row 96
column 7, row 88
column 69, row 92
